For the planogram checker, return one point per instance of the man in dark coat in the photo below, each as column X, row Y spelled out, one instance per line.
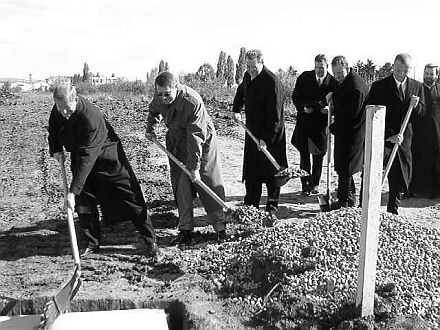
column 101, row 173
column 262, row 96
column 192, row 139
column 426, row 140
column 396, row 92
column 309, row 136
column 348, row 128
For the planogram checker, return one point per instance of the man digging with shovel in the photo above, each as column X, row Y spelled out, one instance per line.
column 101, row 173
column 192, row 139
column 261, row 95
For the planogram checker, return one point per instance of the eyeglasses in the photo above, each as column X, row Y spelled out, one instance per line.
column 164, row 94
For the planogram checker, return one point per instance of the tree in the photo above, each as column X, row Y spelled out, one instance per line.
column 86, row 73
column 221, row 66
column 162, row 66
column 205, row 72
column 241, row 66
column 385, row 70
column 166, row 66
column 229, row 72
column 288, row 81
column 76, row 79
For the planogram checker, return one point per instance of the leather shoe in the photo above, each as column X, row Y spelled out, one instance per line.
column 152, row 250
column 184, row 237
column 221, row 236
column 90, row 250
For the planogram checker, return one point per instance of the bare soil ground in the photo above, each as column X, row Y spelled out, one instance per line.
column 35, row 255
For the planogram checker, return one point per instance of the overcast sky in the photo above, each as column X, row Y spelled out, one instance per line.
column 129, row 37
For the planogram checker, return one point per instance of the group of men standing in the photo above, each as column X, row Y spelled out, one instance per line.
column 101, row 173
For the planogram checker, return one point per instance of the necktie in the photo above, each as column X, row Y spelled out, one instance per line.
column 401, row 94
column 319, row 81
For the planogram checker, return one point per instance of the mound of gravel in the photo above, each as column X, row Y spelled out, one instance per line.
column 309, row 272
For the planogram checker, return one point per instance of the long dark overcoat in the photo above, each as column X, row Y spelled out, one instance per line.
column 384, row 92
column 309, row 135
column 100, row 168
column 262, row 99
column 426, row 144
column 349, row 124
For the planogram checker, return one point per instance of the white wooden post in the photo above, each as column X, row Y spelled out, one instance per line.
column 371, row 196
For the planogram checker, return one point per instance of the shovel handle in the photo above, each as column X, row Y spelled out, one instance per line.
column 200, row 183
column 72, row 233
column 262, row 149
column 396, row 146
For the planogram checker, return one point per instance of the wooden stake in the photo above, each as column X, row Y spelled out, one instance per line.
column 372, row 188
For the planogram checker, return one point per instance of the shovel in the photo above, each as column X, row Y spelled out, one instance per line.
column 414, row 101
column 325, row 201
column 199, row 182
column 281, row 177
column 61, row 301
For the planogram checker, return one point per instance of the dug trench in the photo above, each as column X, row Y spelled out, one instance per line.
column 300, row 274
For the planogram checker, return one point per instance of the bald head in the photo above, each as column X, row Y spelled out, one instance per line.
column 65, row 99
column 402, row 66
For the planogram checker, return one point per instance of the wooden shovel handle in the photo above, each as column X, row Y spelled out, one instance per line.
column 263, row 149
column 71, row 224
column 396, row 146
column 200, row 183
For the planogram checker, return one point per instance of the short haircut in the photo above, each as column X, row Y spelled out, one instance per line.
column 432, row 66
column 404, row 58
column 340, row 60
column 64, row 92
column 255, row 54
column 165, row 79
column 321, row 58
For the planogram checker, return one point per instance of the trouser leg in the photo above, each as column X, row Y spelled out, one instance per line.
column 213, row 209
column 143, row 225
column 90, row 226
column 346, row 190
column 305, row 165
column 396, row 187
column 273, row 196
column 253, row 192
column 316, row 170
column 184, row 198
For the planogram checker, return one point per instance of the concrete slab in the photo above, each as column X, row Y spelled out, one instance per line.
column 110, row 320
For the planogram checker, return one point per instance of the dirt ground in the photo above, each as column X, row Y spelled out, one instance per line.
column 35, row 255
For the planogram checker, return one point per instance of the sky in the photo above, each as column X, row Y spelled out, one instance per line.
column 130, row 37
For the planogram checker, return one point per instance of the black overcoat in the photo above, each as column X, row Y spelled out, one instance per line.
column 100, row 168
column 349, row 124
column 262, row 99
column 426, row 145
column 309, row 135
column 384, row 92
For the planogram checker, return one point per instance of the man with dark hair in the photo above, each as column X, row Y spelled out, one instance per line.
column 396, row 92
column 101, row 173
column 262, row 96
column 191, row 137
column 348, row 128
column 309, row 136
column 426, row 141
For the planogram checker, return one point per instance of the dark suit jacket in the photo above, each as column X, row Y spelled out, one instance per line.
column 100, row 168
column 310, row 128
column 384, row 92
column 349, row 124
column 263, row 101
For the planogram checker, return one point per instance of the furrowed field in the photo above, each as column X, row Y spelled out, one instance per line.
column 299, row 274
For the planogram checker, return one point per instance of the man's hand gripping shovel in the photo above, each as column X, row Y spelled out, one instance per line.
column 61, row 300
